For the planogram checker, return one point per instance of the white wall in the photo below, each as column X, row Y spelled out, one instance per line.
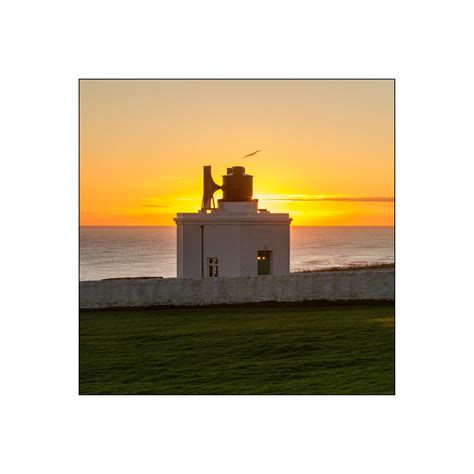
column 235, row 244
column 233, row 233
column 332, row 286
column 189, row 251
column 223, row 241
column 274, row 237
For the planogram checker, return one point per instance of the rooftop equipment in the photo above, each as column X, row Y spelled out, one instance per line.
column 210, row 187
column 237, row 186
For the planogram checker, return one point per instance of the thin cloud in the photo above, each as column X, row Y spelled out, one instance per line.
column 332, row 199
column 153, row 203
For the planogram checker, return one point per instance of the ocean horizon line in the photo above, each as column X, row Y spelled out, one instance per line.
column 328, row 226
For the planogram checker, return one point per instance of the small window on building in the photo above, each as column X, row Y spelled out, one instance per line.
column 213, row 266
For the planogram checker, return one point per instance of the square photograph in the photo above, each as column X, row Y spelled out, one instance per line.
column 236, row 237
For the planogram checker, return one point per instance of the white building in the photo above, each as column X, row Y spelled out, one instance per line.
column 234, row 239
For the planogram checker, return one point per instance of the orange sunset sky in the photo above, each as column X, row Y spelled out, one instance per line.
column 327, row 146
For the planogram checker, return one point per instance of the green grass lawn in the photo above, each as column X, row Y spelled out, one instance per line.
column 297, row 350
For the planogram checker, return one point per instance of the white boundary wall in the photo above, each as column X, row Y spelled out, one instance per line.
column 376, row 284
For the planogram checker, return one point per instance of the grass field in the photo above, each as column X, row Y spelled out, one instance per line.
column 298, row 350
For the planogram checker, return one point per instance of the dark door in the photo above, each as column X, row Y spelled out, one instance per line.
column 264, row 262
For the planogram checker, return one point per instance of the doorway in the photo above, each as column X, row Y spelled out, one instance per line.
column 264, row 262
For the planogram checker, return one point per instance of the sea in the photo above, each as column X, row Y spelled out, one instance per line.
column 119, row 252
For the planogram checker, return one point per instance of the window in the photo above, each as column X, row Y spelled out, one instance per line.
column 212, row 264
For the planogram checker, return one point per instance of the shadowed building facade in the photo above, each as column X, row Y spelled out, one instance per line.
column 235, row 238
